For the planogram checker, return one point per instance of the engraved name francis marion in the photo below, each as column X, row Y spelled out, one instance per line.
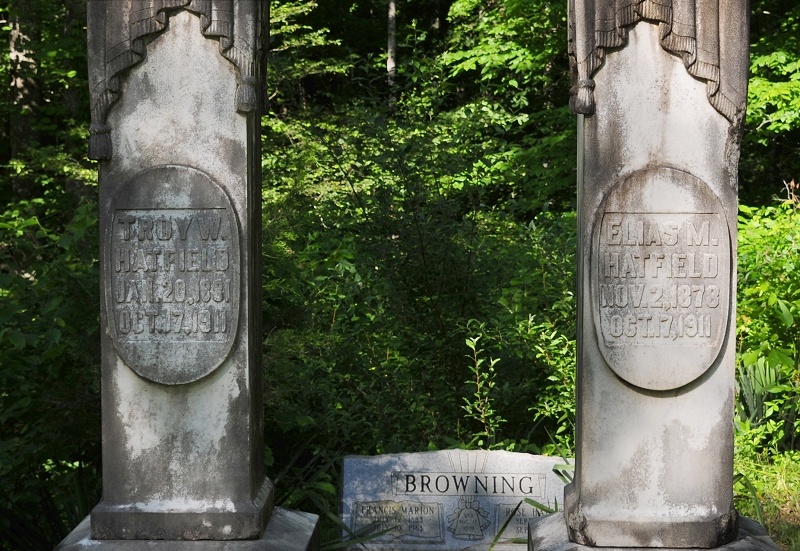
column 393, row 508
column 171, row 275
column 406, row 521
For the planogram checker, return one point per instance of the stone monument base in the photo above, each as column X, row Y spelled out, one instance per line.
column 549, row 533
column 499, row 546
column 286, row 531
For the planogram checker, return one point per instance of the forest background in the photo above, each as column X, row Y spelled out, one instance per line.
column 419, row 250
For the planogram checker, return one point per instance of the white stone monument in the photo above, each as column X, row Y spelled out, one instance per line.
column 660, row 90
column 175, row 126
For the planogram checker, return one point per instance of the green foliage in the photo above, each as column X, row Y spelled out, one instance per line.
column 771, row 148
column 298, row 51
column 767, row 421
column 384, row 231
column 768, row 321
column 775, row 104
column 49, row 332
column 46, row 68
column 774, row 92
column 767, row 489
column 506, row 59
column 49, row 355
column 374, row 260
column 479, row 406
column 555, row 404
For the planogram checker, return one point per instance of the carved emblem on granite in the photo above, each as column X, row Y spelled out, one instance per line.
column 661, row 282
column 469, row 520
column 172, row 274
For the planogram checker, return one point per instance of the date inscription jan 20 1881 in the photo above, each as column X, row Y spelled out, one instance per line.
column 172, row 268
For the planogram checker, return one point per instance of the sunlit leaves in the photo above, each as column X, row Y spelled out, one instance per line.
column 774, row 94
column 767, row 320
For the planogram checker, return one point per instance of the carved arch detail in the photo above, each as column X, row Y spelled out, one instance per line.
column 118, row 35
column 710, row 36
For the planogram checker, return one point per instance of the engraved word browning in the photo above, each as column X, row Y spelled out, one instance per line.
column 469, row 484
column 171, row 274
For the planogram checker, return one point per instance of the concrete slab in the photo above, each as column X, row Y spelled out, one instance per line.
column 287, row 531
column 549, row 533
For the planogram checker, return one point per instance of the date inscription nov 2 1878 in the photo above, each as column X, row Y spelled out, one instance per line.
column 661, row 277
column 172, row 267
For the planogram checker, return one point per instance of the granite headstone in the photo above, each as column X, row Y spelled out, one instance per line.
column 175, row 126
column 660, row 90
column 446, row 500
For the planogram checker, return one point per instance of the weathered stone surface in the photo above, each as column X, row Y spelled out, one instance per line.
column 286, row 531
column 175, row 124
column 118, row 40
column 181, row 362
column 173, row 282
column 660, row 87
column 549, row 533
column 448, row 500
column 661, row 278
column 709, row 38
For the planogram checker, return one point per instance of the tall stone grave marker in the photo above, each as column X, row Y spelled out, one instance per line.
column 175, row 124
column 660, row 89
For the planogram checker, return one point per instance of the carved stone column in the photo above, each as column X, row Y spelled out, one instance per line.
column 175, row 126
column 660, row 89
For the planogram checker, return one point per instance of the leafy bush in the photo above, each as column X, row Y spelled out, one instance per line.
column 771, row 146
column 49, row 355
column 768, row 322
column 374, row 261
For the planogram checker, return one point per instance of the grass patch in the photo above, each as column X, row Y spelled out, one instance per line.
column 776, row 481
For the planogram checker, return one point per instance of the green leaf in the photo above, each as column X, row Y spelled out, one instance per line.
column 17, row 339
column 784, row 314
column 778, row 357
column 750, row 357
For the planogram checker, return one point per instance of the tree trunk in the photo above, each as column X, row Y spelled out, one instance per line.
column 391, row 51
column 24, row 88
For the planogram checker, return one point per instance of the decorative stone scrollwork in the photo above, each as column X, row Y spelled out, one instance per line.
column 706, row 35
column 119, row 35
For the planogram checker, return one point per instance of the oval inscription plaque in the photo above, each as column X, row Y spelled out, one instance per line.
column 172, row 282
column 661, row 278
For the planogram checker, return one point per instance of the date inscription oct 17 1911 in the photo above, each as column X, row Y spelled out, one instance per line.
column 173, row 269
column 661, row 278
